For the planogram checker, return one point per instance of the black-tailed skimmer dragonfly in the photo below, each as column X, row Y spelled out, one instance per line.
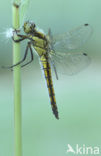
column 55, row 51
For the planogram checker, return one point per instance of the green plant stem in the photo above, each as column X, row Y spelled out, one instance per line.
column 17, row 86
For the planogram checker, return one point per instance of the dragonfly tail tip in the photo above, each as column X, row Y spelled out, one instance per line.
column 56, row 115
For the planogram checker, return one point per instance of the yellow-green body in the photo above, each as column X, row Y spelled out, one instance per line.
column 41, row 45
column 47, row 46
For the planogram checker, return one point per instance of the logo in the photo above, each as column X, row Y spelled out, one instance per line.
column 83, row 150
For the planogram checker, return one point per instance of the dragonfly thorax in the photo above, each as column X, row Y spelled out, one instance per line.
column 40, row 45
column 37, row 39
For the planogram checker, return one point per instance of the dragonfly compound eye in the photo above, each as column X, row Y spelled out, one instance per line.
column 29, row 27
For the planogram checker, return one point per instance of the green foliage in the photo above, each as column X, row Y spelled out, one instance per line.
column 17, row 84
column 24, row 5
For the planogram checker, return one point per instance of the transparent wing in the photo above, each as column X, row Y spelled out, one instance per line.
column 69, row 63
column 71, row 40
column 63, row 50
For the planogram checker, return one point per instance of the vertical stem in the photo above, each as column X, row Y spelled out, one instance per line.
column 17, row 85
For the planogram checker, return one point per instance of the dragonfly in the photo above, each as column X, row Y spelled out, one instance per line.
column 55, row 51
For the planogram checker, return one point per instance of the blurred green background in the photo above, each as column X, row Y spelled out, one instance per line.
column 78, row 97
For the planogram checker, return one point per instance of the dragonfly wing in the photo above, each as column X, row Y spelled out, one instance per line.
column 52, row 63
column 70, row 63
column 73, row 39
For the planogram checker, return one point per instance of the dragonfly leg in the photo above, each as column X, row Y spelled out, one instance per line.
column 22, row 37
column 31, row 57
column 25, row 55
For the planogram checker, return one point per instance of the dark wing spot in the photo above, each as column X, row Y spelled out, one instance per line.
column 84, row 54
column 86, row 24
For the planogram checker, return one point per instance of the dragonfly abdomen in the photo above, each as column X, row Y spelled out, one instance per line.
column 47, row 73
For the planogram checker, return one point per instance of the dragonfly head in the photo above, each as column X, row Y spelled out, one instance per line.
column 29, row 27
